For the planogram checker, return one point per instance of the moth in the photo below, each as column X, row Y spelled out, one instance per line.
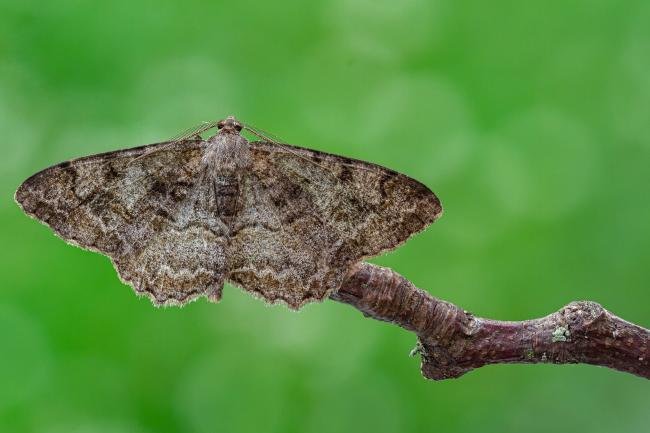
column 178, row 219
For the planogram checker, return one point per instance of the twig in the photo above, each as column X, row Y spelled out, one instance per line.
column 452, row 341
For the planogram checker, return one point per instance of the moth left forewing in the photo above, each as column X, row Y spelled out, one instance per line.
column 123, row 204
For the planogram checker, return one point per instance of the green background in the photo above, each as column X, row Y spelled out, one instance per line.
column 531, row 121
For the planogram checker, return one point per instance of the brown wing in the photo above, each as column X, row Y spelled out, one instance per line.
column 308, row 216
column 143, row 208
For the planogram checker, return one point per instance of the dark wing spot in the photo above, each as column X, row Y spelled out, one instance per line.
column 382, row 183
column 159, row 187
column 346, row 173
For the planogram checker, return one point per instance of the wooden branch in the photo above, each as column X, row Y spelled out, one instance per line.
column 451, row 341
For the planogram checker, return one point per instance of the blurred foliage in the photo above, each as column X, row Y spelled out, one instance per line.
column 531, row 120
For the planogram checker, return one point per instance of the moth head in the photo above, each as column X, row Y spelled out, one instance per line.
column 229, row 124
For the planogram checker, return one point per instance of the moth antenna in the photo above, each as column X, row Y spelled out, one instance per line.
column 272, row 139
column 195, row 130
column 289, row 148
column 266, row 136
column 188, row 133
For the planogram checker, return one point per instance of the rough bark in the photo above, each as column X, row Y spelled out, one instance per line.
column 452, row 341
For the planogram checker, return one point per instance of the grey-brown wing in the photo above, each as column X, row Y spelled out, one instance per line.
column 309, row 216
column 143, row 208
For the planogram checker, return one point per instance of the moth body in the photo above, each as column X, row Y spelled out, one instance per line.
column 226, row 162
column 180, row 218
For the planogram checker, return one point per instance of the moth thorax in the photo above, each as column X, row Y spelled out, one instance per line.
column 227, row 153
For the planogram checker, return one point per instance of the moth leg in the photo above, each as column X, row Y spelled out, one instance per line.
column 215, row 292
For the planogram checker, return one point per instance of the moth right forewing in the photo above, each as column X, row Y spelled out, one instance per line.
column 367, row 200
column 332, row 213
